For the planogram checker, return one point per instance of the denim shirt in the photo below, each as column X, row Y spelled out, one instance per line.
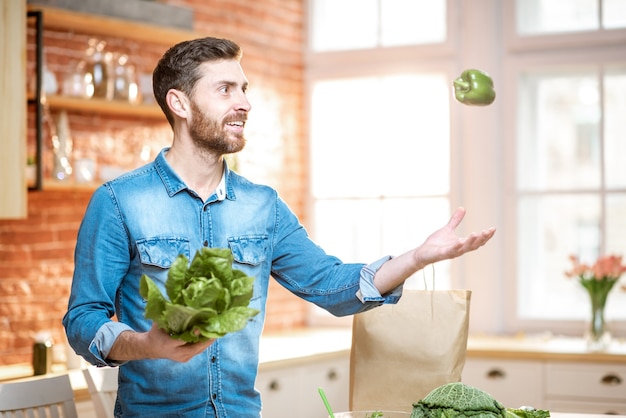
column 138, row 224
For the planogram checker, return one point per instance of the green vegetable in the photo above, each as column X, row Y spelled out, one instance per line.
column 457, row 400
column 526, row 412
column 474, row 88
column 207, row 298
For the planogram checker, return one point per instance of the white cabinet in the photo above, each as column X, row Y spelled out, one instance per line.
column 514, row 383
column 556, row 385
column 291, row 389
column 586, row 387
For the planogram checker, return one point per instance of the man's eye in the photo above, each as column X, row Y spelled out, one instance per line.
column 224, row 89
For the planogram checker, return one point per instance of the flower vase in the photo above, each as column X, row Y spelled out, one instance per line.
column 598, row 336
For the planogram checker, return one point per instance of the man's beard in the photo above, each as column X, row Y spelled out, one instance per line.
column 209, row 134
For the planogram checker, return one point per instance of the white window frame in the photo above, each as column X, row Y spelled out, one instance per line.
column 482, row 140
column 530, row 53
column 443, row 58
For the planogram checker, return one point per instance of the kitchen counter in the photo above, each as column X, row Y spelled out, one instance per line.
column 278, row 349
column 304, row 346
column 543, row 347
column 575, row 415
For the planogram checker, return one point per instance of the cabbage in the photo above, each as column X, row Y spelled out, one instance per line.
column 458, row 400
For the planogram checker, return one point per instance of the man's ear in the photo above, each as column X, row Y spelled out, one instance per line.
column 178, row 103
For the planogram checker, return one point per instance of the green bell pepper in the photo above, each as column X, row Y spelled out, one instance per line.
column 474, row 88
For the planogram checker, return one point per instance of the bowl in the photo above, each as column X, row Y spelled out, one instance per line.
column 368, row 414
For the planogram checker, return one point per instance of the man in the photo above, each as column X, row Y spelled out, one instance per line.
column 187, row 199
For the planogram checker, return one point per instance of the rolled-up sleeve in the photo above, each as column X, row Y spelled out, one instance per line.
column 102, row 343
column 367, row 290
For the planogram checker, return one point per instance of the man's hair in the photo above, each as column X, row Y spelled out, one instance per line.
column 178, row 67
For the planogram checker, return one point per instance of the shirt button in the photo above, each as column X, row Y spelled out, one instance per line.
column 213, row 359
column 206, row 243
column 215, row 396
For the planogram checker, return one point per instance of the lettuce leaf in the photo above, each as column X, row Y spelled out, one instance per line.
column 526, row 413
column 206, row 298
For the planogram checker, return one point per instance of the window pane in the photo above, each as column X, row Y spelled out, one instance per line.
column 364, row 230
column 341, row 228
column 358, row 24
column 613, row 14
column 615, row 128
column 550, row 16
column 616, row 225
column 550, row 229
column 406, row 22
column 388, row 135
column 559, row 137
column 344, row 24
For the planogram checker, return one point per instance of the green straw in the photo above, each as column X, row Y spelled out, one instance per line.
column 326, row 404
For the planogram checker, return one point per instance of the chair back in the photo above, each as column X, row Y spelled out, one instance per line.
column 39, row 397
column 102, row 386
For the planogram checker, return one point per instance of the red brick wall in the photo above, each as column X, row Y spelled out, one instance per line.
column 36, row 253
column 36, row 272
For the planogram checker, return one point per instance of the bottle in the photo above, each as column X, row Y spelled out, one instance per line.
column 121, row 83
column 42, row 354
column 62, row 146
column 100, row 67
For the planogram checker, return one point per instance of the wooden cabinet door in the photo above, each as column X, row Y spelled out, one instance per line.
column 13, row 102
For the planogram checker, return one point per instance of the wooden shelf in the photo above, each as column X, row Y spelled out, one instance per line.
column 104, row 107
column 109, row 26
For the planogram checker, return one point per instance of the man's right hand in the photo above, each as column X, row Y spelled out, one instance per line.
column 154, row 344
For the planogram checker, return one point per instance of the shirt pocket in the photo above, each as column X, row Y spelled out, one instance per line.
column 161, row 252
column 250, row 250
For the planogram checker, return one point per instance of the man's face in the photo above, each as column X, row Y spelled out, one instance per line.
column 219, row 108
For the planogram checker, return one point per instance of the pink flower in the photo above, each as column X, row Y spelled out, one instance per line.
column 608, row 267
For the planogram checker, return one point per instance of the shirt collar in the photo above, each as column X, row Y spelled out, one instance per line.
column 220, row 191
column 174, row 184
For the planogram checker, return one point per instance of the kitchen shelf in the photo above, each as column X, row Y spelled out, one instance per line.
column 104, row 107
column 53, row 18
column 66, row 20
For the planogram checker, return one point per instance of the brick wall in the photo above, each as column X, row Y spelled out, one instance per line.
column 36, row 253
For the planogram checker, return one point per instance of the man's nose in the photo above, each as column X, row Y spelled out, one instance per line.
column 243, row 103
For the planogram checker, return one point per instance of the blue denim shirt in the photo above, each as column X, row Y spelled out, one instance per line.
column 138, row 224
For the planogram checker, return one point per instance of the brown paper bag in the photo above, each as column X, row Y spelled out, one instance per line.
column 401, row 352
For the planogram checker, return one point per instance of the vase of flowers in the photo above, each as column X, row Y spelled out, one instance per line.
column 598, row 280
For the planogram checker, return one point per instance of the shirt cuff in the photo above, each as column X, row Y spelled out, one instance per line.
column 102, row 343
column 368, row 292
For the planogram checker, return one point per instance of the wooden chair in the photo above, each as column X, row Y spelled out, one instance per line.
column 39, row 397
column 102, row 386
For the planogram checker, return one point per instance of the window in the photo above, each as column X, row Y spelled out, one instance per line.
column 369, row 162
column 544, row 163
column 570, row 180
column 571, row 187
column 380, row 137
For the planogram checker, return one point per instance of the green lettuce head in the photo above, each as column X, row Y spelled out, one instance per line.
column 206, row 299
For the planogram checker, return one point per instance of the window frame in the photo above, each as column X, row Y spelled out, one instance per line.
column 482, row 140
column 536, row 53
column 515, row 42
column 428, row 58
